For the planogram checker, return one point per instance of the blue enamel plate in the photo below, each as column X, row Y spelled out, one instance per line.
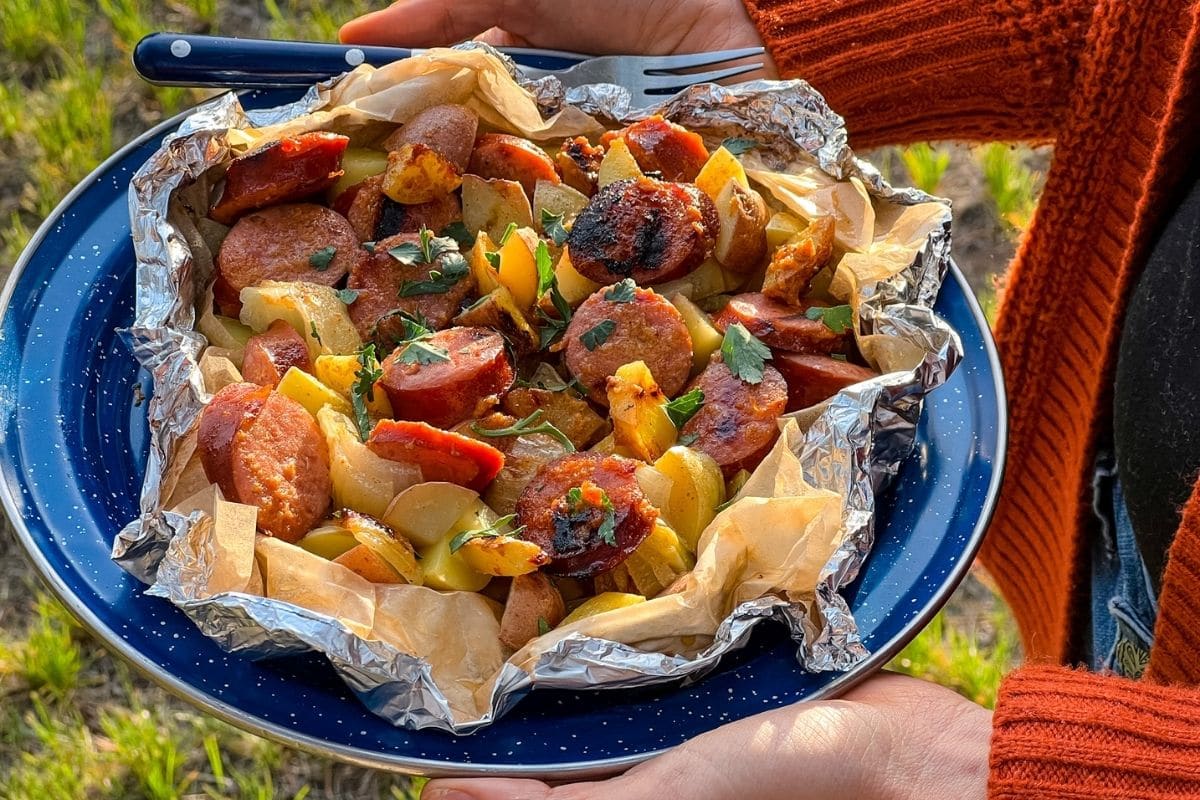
column 73, row 444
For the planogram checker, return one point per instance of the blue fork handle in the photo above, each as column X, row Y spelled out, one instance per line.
column 178, row 59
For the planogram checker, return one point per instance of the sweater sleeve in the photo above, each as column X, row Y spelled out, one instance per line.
column 912, row 70
column 1063, row 734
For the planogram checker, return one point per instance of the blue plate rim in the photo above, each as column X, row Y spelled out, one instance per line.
column 428, row 767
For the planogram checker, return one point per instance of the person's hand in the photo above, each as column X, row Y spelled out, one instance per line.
column 893, row 738
column 650, row 27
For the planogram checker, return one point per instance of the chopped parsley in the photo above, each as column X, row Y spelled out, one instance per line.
column 598, row 335
column 363, row 389
column 622, row 292
column 552, row 327
column 417, row 349
column 457, row 231
column 684, row 407
column 552, row 226
column 312, row 329
column 347, row 296
column 838, row 319
column 524, row 427
column 543, row 626
column 490, row 532
column 509, row 231
column 577, row 512
column 738, row 145
column 743, row 354
column 321, row 259
column 368, row 246
column 493, row 258
column 545, row 268
column 431, row 250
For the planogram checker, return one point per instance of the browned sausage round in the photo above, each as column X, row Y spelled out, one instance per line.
column 579, row 162
column 290, row 169
column 812, row 378
column 499, row 155
column 738, row 422
column 643, row 229
column 279, row 244
column 444, row 393
column 281, row 465
column 269, row 354
column 362, row 204
column 782, row 326
column 605, row 334
column 230, row 408
column 378, row 278
column 594, row 528
column 448, row 129
column 663, row 147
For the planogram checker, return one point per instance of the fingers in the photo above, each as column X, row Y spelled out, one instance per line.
column 498, row 37
column 424, row 23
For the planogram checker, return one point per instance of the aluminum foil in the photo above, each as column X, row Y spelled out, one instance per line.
column 854, row 446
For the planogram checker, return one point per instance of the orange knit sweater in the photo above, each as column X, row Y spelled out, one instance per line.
column 1115, row 85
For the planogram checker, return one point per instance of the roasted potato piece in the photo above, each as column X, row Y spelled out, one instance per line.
column 793, row 265
column 706, row 280
column 504, row 556
column 534, row 604
column 418, row 174
column 358, row 164
column 706, row 339
column 564, row 410
column 489, row 205
column 340, row 373
column 518, row 269
column 487, row 278
column 652, row 567
column 393, row 549
column 311, row 393
column 329, row 540
column 307, row 307
column 697, row 488
column 426, row 512
column 362, row 481
column 448, row 571
column 498, row 311
column 602, row 603
column 618, row 164
column 557, row 199
column 781, row 227
column 742, row 239
column 721, row 168
column 368, row 565
column 573, row 286
column 225, row 332
column 635, row 402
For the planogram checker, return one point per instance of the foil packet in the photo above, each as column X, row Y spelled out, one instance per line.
column 831, row 460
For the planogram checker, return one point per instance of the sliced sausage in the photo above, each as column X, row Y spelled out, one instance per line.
column 643, row 229
column 448, row 129
column 290, row 169
column 795, row 263
column 269, row 354
column 499, row 155
column 593, row 529
column 441, row 455
column 444, row 393
column 738, row 422
column 378, row 278
column 226, row 412
column 782, row 326
column 283, row 243
column 579, row 162
column 813, row 378
column 645, row 328
column 395, row 218
column 533, row 601
column 664, row 147
column 281, row 465
column 362, row 205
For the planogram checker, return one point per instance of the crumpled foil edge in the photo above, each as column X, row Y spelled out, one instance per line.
column 854, row 447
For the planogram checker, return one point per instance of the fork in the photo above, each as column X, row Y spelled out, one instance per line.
column 174, row 59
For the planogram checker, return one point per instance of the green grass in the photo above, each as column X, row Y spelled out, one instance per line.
column 926, row 165
column 1012, row 186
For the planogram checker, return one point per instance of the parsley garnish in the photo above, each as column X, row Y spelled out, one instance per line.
column 543, row 626
column 552, row 226
column 431, row 250
column 312, row 329
column 689, row 439
column 608, row 525
column 363, row 389
column 598, row 335
column 524, row 427
column 493, row 258
column 417, row 349
column 503, row 240
column 368, row 246
column 838, row 319
column 838, row 356
column 459, row 233
column 725, row 505
column 490, row 532
column 744, row 354
column 553, row 327
column 347, row 296
column 622, row 292
column 321, row 259
column 684, row 407
column 737, row 145
column 545, row 268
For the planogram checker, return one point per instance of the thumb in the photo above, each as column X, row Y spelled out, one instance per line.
column 423, row 23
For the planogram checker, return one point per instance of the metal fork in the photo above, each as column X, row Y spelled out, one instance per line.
column 172, row 59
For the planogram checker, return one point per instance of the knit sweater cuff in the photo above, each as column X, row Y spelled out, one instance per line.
column 1062, row 734
column 906, row 69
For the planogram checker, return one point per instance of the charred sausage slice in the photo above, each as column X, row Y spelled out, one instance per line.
column 812, row 378
column 230, row 408
column 782, row 326
column 299, row 242
column 269, row 354
column 446, row 392
column 643, row 229
column 448, row 129
column 586, row 511
column 396, row 218
column 663, row 147
column 738, row 422
column 378, row 278
column 290, row 169
column 579, row 162
column 499, row 155
column 608, row 332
